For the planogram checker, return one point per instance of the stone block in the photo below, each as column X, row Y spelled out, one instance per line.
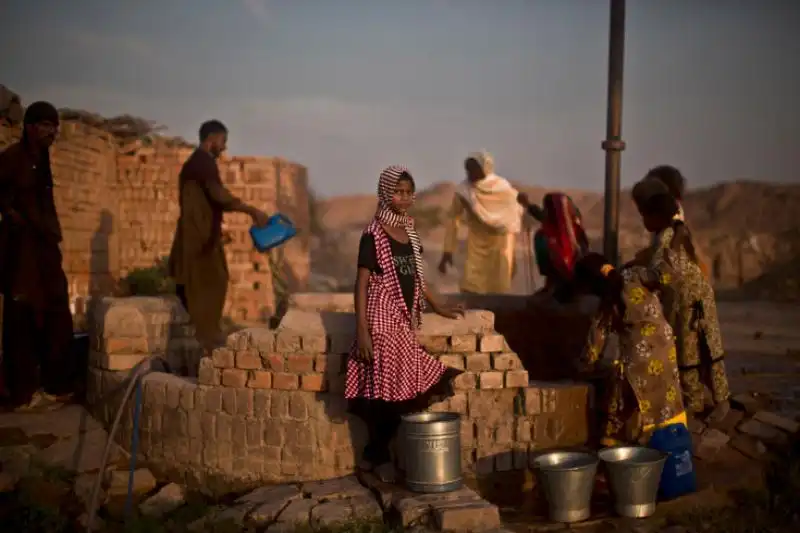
column 248, row 359
column 285, row 381
column 492, row 342
column 516, row 379
column 478, row 362
column 490, row 380
column 434, row 343
column 463, row 343
column 233, row 377
column 778, row 421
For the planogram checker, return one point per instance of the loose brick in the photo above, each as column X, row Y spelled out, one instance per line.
column 477, row 516
column 273, row 361
column 491, row 380
column 260, row 379
column 516, row 379
column 763, row 432
column 285, row 381
column 478, row 362
column 492, row 342
column 453, row 360
column 463, row 343
column 778, row 421
column 749, row 446
column 434, row 343
column 223, row 358
column 315, row 343
column 300, row 363
column 747, row 403
column 248, row 360
column 710, row 443
column 506, row 361
column 312, row 382
column 466, row 381
column 286, row 342
column 233, row 377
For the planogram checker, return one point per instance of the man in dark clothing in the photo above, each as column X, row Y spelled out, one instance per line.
column 37, row 323
column 197, row 260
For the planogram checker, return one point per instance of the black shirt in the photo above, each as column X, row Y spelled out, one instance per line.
column 403, row 257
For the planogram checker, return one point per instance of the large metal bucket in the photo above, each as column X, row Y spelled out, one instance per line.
column 431, row 447
column 634, row 473
column 567, row 480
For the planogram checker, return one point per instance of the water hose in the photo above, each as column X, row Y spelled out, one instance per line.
column 135, row 381
column 137, row 411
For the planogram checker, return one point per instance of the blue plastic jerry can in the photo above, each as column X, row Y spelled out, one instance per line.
column 278, row 230
column 679, row 477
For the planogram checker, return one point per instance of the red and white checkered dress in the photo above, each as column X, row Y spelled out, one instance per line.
column 400, row 369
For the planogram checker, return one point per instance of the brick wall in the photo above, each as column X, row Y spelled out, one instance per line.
column 118, row 211
column 268, row 406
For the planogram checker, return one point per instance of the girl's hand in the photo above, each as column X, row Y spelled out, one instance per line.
column 451, row 312
column 364, row 346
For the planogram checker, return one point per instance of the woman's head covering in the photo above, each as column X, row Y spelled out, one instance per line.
column 484, row 160
column 565, row 237
column 387, row 185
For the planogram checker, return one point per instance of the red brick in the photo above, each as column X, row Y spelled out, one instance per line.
column 490, row 380
column 506, row 361
column 248, row 360
column 478, row 516
column 233, row 377
column 465, row 381
column 260, row 380
column 452, row 360
column 286, row 342
column 433, row 343
column 516, row 378
column 284, row 381
column 463, row 343
column 312, row 382
column 315, row 343
column 275, row 362
column 478, row 362
column 300, row 363
column 223, row 358
column 492, row 342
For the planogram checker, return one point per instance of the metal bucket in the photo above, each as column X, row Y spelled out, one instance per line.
column 634, row 473
column 567, row 480
column 431, row 447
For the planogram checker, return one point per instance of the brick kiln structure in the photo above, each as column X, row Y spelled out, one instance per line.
column 268, row 407
column 118, row 208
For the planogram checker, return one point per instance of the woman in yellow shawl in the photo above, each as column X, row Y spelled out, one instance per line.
column 488, row 204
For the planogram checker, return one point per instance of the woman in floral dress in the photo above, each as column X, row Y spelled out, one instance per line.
column 643, row 390
column 690, row 307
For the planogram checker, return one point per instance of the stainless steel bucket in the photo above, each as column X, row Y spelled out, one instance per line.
column 634, row 473
column 567, row 480
column 431, row 448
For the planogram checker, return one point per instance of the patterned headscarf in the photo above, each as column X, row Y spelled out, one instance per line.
column 387, row 185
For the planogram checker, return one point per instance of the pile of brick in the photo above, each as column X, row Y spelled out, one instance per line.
column 749, row 428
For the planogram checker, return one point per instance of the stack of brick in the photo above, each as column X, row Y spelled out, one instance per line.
column 268, row 406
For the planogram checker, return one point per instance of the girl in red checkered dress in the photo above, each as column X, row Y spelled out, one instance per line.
column 388, row 372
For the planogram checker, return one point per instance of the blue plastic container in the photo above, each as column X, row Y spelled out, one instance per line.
column 679, row 477
column 278, row 230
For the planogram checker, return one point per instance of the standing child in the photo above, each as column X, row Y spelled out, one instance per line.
column 690, row 307
column 389, row 374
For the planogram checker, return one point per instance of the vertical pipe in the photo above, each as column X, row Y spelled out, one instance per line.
column 137, row 411
column 613, row 145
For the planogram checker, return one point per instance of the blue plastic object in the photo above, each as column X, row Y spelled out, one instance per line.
column 679, row 477
column 278, row 230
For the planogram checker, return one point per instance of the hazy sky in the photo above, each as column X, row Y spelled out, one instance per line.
column 348, row 87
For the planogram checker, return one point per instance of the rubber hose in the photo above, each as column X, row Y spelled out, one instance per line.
column 143, row 368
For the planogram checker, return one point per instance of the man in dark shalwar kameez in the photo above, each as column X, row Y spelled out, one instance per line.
column 37, row 322
column 197, row 260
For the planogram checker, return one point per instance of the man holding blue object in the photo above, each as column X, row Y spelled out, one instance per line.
column 197, row 260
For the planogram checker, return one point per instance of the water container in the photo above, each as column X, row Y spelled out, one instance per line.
column 278, row 230
column 679, row 477
column 431, row 448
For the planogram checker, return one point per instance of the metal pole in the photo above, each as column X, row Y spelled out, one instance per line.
column 613, row 145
